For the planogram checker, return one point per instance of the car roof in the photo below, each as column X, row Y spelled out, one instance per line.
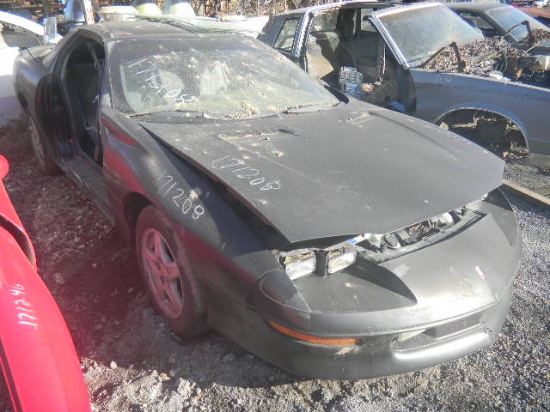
column 481, row 7
column 144, row 27
column 327, row 6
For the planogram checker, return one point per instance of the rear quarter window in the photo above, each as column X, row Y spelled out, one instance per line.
column 285, row 39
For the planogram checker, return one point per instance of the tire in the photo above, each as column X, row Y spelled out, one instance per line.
column 168, row 277
column 45, row 164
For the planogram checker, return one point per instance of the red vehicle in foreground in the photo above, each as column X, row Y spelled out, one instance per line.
column 37, row 356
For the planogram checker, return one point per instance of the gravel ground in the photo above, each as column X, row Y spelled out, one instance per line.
column 532, row 173
column 132, row 362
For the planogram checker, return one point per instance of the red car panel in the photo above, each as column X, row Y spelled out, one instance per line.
column 37, row 355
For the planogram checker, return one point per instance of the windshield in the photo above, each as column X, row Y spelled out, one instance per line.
column 421, row 32
column 510, row 18
column 217, row 77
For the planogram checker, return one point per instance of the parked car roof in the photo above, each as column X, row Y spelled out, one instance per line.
column 151, row 26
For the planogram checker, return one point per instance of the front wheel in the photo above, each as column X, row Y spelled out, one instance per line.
column 167, row 274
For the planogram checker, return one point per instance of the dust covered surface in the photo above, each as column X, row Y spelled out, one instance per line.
column 539, row 35
column 132, row 362
column 489, row 57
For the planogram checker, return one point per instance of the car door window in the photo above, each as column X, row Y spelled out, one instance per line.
column 479, row 22
column 285, row 40
column 322, row 46
column 366, row 25
column 81, row 75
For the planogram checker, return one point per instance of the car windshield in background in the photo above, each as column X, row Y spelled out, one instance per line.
column 513, row 20
column 217, row 78
column 418, row 40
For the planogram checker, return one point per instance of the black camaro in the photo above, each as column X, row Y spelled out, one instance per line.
column 330, row 237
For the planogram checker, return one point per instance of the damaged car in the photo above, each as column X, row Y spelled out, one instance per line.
column 496, row 19
column 514, row 26
column 447, row 72
column 16, row 32
column 330, row 237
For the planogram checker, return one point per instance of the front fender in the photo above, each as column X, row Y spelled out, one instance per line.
column 221, row 247
column 439, row 94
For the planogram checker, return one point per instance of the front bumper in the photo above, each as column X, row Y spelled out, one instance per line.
column 375, row 356
column 424, row 308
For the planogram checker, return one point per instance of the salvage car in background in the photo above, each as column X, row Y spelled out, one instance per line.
column 40, row 366
column 15, row 33
column 513, row 24
column 541, row 13
column 446, row 73
column 330, row 237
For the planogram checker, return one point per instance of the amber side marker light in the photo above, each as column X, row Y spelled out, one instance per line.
column 313, row 339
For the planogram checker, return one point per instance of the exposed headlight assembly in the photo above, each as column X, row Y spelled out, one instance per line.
column 333, row 260
column 302, row 262
column 298, row 263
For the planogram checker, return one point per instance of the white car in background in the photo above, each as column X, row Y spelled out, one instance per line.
column 16, row 32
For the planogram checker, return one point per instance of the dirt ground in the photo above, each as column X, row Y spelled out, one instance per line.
column 132, row 362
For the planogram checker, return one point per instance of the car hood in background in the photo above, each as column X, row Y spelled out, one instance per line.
column 339, row 172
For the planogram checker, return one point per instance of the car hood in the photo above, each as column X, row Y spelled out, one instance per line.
column 339, row 172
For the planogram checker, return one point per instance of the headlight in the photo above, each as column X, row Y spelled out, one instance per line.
column 330, row 261
column 302, row 262
column 298, row 263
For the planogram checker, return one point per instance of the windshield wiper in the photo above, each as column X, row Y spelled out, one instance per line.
column 307, row 108
column 461, row 63
column 192, row 114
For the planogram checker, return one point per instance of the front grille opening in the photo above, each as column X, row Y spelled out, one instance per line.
column 426, row 337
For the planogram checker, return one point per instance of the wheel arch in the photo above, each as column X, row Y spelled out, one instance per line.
column 477, row 110
column 133, row 205
column 190, row 319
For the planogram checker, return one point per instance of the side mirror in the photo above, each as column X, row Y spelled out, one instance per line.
column 50, row 29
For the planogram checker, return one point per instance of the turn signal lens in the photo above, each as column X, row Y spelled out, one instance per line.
column 313, row 339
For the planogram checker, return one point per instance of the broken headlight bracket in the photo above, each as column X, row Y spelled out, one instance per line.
column 325, row 262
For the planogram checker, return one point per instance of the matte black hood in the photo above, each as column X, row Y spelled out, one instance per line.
column 345, row 171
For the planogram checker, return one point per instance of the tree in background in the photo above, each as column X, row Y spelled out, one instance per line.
column 249, row 7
